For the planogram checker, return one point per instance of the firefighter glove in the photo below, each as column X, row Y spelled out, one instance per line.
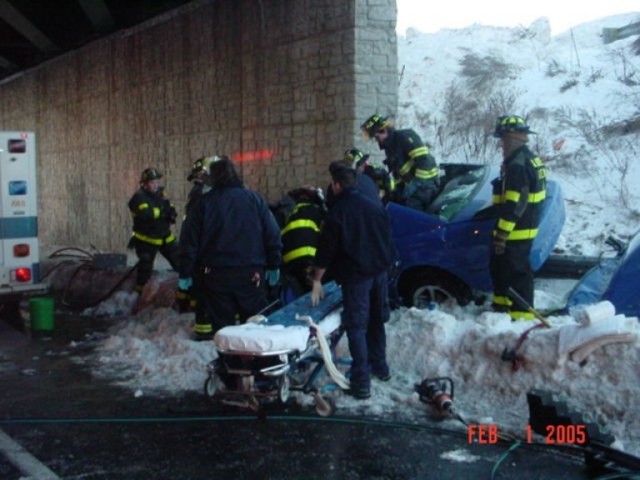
column 173, row 215
column 317, row 293
column 169, row 212
column 185, row 283
column 500, row 242
column 272, row 276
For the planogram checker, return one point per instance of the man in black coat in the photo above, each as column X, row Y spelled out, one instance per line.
column 356, row 244
column 231, row 243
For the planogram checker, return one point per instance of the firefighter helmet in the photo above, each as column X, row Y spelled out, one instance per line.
column 355, row 157
column 307, row 194
column 374, row 123
column 201, row 165
column 150, row 174
column 511, row 123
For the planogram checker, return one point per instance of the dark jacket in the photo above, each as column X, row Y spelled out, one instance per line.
column 408, row 158
column 230, row 227
column 519, row 195
column 152, row 215
column 365, row 184
column 355, row 242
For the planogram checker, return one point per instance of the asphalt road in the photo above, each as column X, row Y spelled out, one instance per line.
column 58, row 421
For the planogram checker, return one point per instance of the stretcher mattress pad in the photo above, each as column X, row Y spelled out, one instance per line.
column 262, row 338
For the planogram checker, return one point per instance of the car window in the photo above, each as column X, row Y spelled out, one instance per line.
column 456, row 193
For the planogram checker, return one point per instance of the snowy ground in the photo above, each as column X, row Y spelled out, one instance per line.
column 152, row 354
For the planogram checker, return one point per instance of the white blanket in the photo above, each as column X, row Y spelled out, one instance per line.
column 262, row 338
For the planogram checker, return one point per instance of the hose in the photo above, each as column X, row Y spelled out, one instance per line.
column 335, row 374
column 104, row 297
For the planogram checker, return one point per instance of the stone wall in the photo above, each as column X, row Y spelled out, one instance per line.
column 280, row 85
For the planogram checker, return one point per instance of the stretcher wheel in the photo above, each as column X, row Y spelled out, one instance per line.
column 325, row 407
column 284, row 384
column 211, row 386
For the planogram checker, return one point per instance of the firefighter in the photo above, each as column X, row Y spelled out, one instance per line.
column 300, row 237
column 153, row 214
column 201, row 184
column 378, row 173
column 409, row 160
column 518, row 195
column 232, row 245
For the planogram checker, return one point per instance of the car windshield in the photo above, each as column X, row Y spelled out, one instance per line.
column 459, row 188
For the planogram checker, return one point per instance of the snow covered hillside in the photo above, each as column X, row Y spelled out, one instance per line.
column 581, row 95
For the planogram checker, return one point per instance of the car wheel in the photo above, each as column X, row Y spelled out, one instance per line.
column 425, row 289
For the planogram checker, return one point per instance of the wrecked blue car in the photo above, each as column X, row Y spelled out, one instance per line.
column 444, row 253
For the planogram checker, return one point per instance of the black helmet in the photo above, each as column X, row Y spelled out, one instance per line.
column 512, row 123
column 355, row 157
column 373, row 124
column 201, row 165
column 308, row 194
column 150, row 174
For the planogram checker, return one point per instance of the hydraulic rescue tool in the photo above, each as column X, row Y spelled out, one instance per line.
column 438, row 392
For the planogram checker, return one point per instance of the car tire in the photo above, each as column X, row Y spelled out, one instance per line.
column 426, row 288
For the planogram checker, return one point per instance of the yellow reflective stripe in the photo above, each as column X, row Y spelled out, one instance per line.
column 302, row 223
column 154, row 241
column 418, row 151
column 537, row 162
column 537, row 197
column 427, row 174
column 523, row 234
column 298, row 206
column 501, row 300
column 506, row 225
column 156, row 212
column 496, row 199
column 512, row 195
column 519, row 315
column 406, row 168
column 143, row 206
column 202, row 328
column 299, row 252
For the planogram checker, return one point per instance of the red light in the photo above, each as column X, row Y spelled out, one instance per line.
column 23, row 274
column 21, row 250
column 254, row 156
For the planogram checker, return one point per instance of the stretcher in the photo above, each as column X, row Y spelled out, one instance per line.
column 268, row 357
